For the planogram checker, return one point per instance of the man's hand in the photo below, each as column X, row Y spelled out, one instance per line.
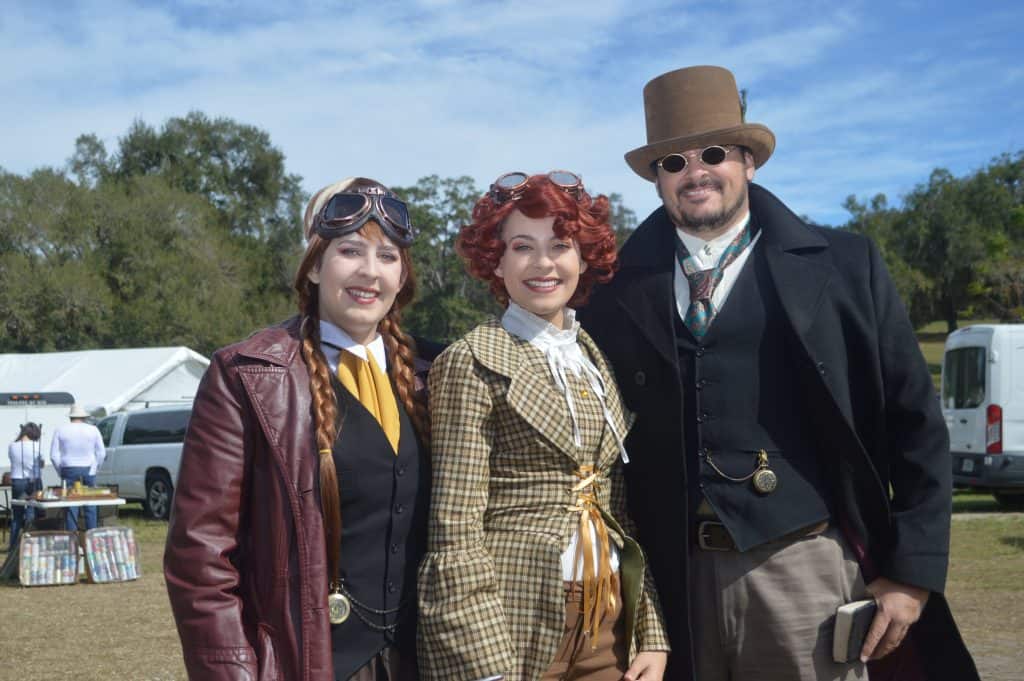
column 649, row 666
column 899, row 606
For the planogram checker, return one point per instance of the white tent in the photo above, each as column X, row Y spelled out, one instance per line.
column 102, row 381
column 105, row 381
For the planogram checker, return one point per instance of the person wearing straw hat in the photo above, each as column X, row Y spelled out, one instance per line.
column 789, row 455
column 77, row 452
column 300, row 514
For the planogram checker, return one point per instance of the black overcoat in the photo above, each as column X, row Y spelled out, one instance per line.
column 869, row 400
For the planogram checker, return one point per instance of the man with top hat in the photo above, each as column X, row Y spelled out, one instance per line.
column 789, row 455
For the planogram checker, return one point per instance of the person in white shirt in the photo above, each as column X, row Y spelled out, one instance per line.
column 77, row 452
column 26, row 471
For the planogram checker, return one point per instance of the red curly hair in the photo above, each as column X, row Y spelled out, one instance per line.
column 584, row 220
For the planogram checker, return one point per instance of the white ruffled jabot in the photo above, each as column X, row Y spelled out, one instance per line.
column 564, row 355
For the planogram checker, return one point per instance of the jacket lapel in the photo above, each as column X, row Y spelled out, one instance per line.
column 609, row 448
column 802, row 279
column 644, row 287
column 278, row 388
column 531, row 385
column 801, row 282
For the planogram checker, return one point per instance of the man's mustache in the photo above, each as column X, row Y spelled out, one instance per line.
column 704, row 182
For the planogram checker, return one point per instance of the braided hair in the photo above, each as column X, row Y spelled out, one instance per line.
column 399, row 346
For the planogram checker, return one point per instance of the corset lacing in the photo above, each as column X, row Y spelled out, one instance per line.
column 598, row 596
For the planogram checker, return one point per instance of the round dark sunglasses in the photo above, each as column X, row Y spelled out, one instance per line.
column 349, row 210
column 709, row 156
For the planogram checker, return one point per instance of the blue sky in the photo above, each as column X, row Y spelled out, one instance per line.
column 864, row 97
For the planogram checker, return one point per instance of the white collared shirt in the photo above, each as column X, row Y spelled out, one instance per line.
column 329, row 333
column 77, row 444
column 708, row 253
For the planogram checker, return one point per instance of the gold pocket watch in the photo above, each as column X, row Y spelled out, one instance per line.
column 338, row 606
column 765, row 481
column 762, row 477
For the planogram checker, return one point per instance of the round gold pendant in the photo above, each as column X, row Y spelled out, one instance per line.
column 338, row 608
column 765, row 481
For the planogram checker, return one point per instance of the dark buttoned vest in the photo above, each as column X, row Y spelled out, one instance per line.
column 384, row 504
column 741, row 395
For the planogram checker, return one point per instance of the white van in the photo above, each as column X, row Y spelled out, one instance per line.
column 143, row 455
column 983, row 403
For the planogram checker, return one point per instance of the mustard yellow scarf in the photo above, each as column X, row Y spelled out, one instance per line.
column 364, row 379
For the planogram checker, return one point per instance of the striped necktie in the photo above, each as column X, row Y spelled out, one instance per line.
column 701, row 311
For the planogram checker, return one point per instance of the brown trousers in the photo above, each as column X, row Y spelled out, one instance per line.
column 767, row 614
column 577, row 659
column 387, row 665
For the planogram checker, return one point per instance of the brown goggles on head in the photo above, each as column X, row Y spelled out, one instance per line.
column 511, row 186
column 349, row 210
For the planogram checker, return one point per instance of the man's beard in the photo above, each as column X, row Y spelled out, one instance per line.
column 709, row 222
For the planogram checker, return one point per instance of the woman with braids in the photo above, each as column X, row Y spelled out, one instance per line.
column 530, row 571
column 299, row 517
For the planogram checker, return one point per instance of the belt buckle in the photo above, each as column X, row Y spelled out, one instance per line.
column 703, row 530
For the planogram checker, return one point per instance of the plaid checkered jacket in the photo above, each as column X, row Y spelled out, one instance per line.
column 491, row 592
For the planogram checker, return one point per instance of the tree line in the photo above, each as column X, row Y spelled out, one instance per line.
column 956, row 246
column 190, row 234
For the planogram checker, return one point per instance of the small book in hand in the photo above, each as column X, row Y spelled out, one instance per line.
column 852, row 623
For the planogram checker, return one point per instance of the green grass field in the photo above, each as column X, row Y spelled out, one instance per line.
column 95, row 631
column 986, row 592
column 965, row 501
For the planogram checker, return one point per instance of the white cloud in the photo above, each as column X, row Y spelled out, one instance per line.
column 398, row 90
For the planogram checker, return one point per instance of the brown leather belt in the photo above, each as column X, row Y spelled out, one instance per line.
column 712, row 535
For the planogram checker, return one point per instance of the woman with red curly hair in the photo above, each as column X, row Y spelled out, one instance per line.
column 530, row 570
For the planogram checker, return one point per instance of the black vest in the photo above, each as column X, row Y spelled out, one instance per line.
column 741, row 395
column 384, row 505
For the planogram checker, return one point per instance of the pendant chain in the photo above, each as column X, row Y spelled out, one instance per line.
column 359, row 606
column 762, row 464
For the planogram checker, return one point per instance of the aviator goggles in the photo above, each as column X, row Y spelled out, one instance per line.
column 511, row 186
column 709, row 156
column 349, row 210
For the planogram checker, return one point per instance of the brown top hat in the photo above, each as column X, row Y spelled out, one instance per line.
column 693, row 108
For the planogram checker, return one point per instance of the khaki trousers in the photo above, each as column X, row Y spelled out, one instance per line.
column 767, row 614
column 577, row 660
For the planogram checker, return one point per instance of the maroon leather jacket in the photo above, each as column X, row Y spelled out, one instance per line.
column 245, row 561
